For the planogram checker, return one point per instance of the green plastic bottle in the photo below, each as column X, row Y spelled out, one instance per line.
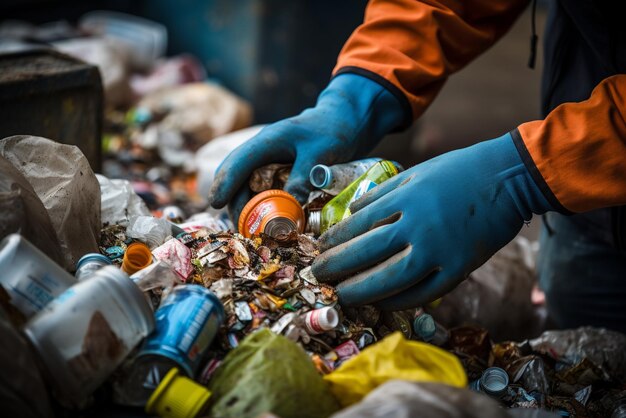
column 339, row 207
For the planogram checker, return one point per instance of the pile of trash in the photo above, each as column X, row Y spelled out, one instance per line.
column 154, row 303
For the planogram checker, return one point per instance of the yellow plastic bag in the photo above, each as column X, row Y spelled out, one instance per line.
column 394, row 357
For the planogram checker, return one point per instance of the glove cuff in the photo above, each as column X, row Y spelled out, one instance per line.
column 528, row 195
column 534, row 172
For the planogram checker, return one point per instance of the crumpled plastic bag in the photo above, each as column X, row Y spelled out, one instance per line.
column 394, row 357
column 404, row 399
column 269, row 373
column 62, row 178
column 119, row 202
column 606, row 349
column 149, row 230
column 22, row 212
column 502, row 284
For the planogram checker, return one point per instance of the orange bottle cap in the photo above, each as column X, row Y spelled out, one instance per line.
column 136, row 257
column 273, row 212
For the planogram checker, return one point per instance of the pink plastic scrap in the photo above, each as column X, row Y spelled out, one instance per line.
column 177, row 255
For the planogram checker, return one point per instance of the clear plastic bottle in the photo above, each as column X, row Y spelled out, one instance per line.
column 333, row 179
column 31, row 279
column 339, row 207
column 85, row 333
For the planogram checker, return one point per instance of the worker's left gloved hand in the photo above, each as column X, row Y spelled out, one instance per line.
column 351, row 115
column 419, row 234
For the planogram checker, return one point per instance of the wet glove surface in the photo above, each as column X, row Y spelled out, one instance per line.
column 419, row 234
column 352, row 114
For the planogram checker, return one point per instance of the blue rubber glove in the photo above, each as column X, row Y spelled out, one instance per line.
column 416, row 236
column 351, row 116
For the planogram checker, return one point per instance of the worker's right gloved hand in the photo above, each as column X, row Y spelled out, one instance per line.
column 351, row 115
column 416, row 236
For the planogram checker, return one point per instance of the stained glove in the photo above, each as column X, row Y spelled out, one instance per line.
column 419, row 234
column 351, row 115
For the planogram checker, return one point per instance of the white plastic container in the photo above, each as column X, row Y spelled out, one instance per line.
column 320, row 320
column 31, row 278
column 84, row 334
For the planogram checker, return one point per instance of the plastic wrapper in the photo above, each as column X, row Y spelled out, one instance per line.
column 22, row 391
column 149, row 230
column 502, row 285
column 177, row 255
column 61, row 177
column 267, row 373
column 394, row 358
column 604, row 348
column 119, row 202
column 215, row 221
column 404, row 399
column 532, row 376
column 22, row 212
column 156, row 281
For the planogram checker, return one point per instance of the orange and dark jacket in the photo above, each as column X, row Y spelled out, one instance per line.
column 577, row 153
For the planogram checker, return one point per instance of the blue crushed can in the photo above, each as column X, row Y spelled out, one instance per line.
column 186, row 324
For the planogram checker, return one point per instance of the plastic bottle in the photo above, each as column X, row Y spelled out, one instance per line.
column 273, row 212
column 31, row 279
column 339, row 207
column 85, row 333
column 333, row 179
column 493, row 382
column 136, row 257
column 320, row 320
column 428, row 330
column 89, row 264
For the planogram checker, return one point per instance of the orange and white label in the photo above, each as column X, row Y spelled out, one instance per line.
column 257, row 215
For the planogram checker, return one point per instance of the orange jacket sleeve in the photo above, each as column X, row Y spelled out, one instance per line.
column 412, row 46
column 577, row 154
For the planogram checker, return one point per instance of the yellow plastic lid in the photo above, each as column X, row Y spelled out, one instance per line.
column 178, row 397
